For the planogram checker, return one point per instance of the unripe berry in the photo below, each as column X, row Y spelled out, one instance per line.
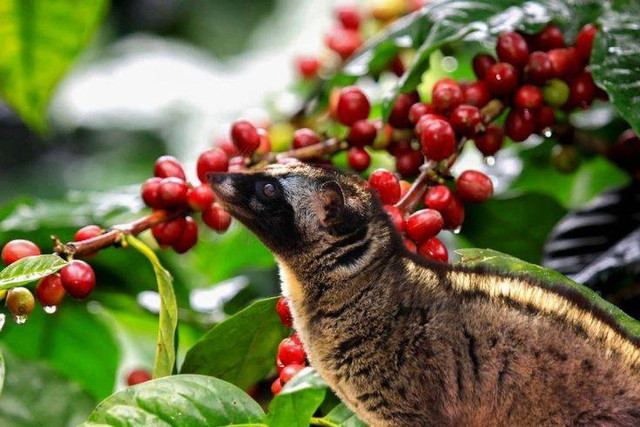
column 343, row 41
column 307, row 66
column 78, row 279
column 214, row 160
column 512, row 48
column 438, row 198
column 188, row 238
column 423, row 225
column 446, row 97
column 438, row 140
column 305, row 137
column 291, row 351
column 284, row 312
column 386, row 185
column 150, row 193
column 490, row 141
column 549, row 38
column 20, row 302
column 539, row 68
column 276, row 387
column 352, row 106
column 362, row 133
column 138, row 376
column 18, row 249
column 172, row 192
column 168, row 232
column 216, row 218
column 168, row 166
column 358, row 159
column 408, row 162
column 565, row 158
column 555, row 93
column 245, row 136
column 466, row 120
column 519, row 125
column 481, row 64
column 200, row 198
column 476, row 94
column 502, row 78
column 418, row 110
column 348, row 16
column 584, row 42
column 582, row 90
column 87, row 232
column 289, row 372
column 399, row 115
column 474, row 187
column 528, row 97
column 454, row 214
column 50, row 291
column 545, row 117
column 434, row 249
column 397, row 217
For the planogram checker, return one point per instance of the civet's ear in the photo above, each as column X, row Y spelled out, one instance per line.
column 331, row 203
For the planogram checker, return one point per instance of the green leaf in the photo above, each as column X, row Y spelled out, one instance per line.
column 343, row 417
column 549, row 278
column 40, row 40
column 241, row 349
column 30, row 269
column 186, row 400
column 168, row 315
column 2, row 370
column 298, row 400
column 615, row 59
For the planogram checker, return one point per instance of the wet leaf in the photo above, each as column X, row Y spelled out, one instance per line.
column 30, row 269
column 343, row 417
column 298, row 400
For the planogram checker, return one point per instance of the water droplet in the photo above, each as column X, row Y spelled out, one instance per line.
column 547, row 132
column 50, row 309
column 489, row 160
column 2, row 319
column 20, row 319
column 457, row 230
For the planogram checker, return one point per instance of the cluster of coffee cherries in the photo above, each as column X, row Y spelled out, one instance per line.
column 291, row 357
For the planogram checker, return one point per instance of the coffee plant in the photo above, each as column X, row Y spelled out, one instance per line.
column 405, row 93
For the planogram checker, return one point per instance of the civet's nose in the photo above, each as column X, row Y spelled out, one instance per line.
column 217, row 178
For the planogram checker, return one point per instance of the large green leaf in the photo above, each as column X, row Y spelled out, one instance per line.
column 168, row 315
column 40, row 39
column 343, row 417
column 298, row 400
column 2, row 369
column 30, row 269
column 615, row 61
column 241, row 349
column 185, row 400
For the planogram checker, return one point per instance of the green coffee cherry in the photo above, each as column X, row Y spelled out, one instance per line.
column 21, row 303
column 565, row 158
column 555, row 93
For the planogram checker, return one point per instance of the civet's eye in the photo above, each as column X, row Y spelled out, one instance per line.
column 269, row 190
column 266, row 190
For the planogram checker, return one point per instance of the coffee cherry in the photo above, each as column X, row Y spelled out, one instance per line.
column 279, row 365
column 237, row 164
column 49, row 291
column 289, row 372
column 348, row 16
column 358, row 159
column 426, row 119
column 150, row 193
column 169, row 232
column 78, row 278
column 216, row 218
column 295, row 337
column 18, row 249
column 423, row 225
column 87, row 232
column 343, row 41
column 539, row 68
column 291, row 351
column 519, row 125
column 582, row 90
column 476, row 94
column 446, row 97
column 352, row 106
column 214, row 160
column 438, row 140
column 305, row 137
column 481, row 64
column 188, row 238
column 438, row 198
column 434, row 249
column 408, row 162
column 168, row 166
column 565, row 158
column 245, row 136
column 466, row 120
column 563, row 61
column 172, row 192
column 405, row 186
column 474, row 187
column 555, row 93
column 545, row 117
column 265, row 142
column 307, row 66
column 528, row 97
column 138, row 376
column 283, row 310
column 20, row 302
column 418, row 110
column 386, row 185
column 549, row 38
column 490, row 141
column 411, row 247
column 227, row 146
column 276, row 387
column 397, row 217
column 453, row 215
column 362, row 133
column 502, row 78
column 512, row 48
column 200, row 198
column 399, row 115
column 584, row 42
column 626, row 151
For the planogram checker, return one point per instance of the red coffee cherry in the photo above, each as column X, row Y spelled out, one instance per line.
column 358, row 159
column 172, row 192
column 446, row 97
column 150, row 193
column 227, row 146
column 265, row 142
column 362, row 133
column 582, row 90
column 279, row 365
column 411, row 247
column 519, row 125
column 353, row 105
column 399, row 115
column 426, row 119
column 434, row 249
column 502, row 78
column 189, row 237
column 283, row 310
column 397, row 217
column 87, row 232
column 386, row 185
column 245, row 136
column 423, row 225
column 20, row 302
column 466, row 120
column 343, row 41
column 138, row 376
column 305, row 137
column 549, row 38
column 476, row 94
column 545, row 117
column 408, row 162
column 563, row 61
column 291, row 351
column 200, row 198
column 78, row 279
column 168, row 166
column 584, row 42
column 528, row 97
column 539, row 68
column 418, row 110
column 50, row 291
column 18, row 249
column 490, row 141
column 214, row 160
column 512, row 48
column 454, row 214
column 481, row 64
column 216, row 218
column 438, row 198
column 307, row 66
column 169, row 232
column 348, row 16
column 438, row 140
column 276, row 387
column 474, row 187
column 289, row 372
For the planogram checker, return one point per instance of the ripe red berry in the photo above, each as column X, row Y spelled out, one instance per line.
column 426, row 119
column 172, row 192
column 502, row 78
column 386, row 185
column 418, row 110
column 481, row 64
column 549, row 38
column 474, row 187
column 343, row 41
column 582, row 90
column 411, row 247
column 216, row 218
column 490, row 141
column 50, row 291
column 348, row 16
column 423, row 225
column 168, row 166
column 276, row 387
column 438, row 198
column 283, row 310
column 138, row 376
column 200, row 198
column 245, row 136
column 169, row 232
column 466, row 120
column 399, row 115
column 512, row 48
column 289, row 372
column 291, row 351
column 446, row 97
column 539, row 68
column 563, row 61
column 454, row 214
column 397, row 217
column 545, row 117
column 279, row 365
column 18, row 249
column 358, row 159
column 353, row 105
column 305, row 137
column 434, row 249
column 519, row 125
column 214, row 160
column 528, row 97
column 438, row 140
column 87, row 232
column 20, row 302
column 227, row 146
column 188, row 238
column 476, row 94
column 150, row 193
column 362, row 133
column 78, row 279
column 584, row 42
column 308, row 66
column 408, row 162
